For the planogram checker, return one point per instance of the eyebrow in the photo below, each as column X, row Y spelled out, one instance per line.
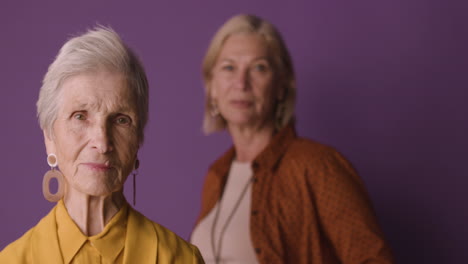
column 123, row 108
column 255, row 59
column 83, row 105
column 262, row 58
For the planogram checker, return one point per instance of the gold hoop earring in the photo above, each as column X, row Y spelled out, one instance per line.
column 214, row 112
column 53, row 173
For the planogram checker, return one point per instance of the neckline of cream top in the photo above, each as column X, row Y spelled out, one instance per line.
column 236, row 246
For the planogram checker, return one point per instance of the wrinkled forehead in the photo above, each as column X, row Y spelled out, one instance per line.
column 101, row 89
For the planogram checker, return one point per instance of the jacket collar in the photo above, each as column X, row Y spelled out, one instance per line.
column 267, row 159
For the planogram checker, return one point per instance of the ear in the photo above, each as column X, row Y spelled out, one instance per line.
column 212, row 91
column 49, row 143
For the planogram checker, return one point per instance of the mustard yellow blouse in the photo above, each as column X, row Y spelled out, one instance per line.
column 104, row 248
column 130, row 239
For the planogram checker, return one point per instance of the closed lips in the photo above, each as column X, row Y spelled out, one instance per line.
column 98, row 166
column 241, row 103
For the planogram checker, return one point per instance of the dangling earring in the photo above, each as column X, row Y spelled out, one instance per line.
column 135, row 172
column 214, row 112
column 53, row 173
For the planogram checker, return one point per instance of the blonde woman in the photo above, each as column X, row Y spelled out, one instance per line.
column 274, row 197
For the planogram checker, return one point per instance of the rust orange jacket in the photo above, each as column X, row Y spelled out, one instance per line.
column 308, row 205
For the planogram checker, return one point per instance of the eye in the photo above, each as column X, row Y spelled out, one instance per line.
column 123, row 120
column 261, row 67
column 227, row 67
column 79, row 116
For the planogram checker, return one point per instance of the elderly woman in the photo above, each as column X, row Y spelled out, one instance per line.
column 92, row 108
column 274, row 197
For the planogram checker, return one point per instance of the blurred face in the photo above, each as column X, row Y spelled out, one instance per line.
column 95, row 135
column 242, row 81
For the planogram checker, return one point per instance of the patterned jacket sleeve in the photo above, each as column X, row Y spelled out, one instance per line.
column 346, row 214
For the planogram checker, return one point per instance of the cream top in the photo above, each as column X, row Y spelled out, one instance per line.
column 234, row 246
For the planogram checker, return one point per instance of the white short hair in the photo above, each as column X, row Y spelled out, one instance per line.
column 100, row 48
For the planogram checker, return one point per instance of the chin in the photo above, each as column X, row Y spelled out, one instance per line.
column 96, row 190
column 98, row 186
column 240, row 122
column 238, row 119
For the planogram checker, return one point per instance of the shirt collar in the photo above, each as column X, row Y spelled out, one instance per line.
column 272, row 154
column 109, row 243
column 267, row 159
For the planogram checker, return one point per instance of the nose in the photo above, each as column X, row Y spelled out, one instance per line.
column 101, row 138
column 242, row 79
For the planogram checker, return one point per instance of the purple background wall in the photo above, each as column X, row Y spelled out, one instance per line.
column 382, row 81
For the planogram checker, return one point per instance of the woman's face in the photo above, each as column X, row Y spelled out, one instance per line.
column 242, row 81
column 95, row 134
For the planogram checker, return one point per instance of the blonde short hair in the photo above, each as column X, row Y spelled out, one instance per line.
column 99, row 48
column 280, row 58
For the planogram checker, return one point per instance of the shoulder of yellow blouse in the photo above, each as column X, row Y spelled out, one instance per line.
column 174, row 249
column 40, row 242
column 150, row 242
